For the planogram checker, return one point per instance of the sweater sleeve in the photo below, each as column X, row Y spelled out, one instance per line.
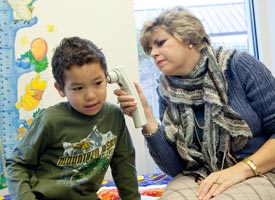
column 162, row 151
column 259, row 86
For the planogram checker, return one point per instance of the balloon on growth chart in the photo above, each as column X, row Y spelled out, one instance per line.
column 39, row 48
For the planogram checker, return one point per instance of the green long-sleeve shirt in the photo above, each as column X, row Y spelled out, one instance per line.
column 65, row 155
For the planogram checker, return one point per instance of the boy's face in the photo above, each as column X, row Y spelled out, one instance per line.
column 85, row 88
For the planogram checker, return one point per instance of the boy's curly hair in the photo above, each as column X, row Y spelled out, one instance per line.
column 75, row 51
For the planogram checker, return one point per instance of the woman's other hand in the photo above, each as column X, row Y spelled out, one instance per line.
column 218, row 182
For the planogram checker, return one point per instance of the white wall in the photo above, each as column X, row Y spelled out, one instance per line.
column 266, row 30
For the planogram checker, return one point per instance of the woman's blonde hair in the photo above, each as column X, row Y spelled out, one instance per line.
column 180, row 23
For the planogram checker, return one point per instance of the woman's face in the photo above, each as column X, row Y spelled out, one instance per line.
column 172, row 56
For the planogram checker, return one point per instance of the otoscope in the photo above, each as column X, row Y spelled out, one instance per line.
column 117, row 75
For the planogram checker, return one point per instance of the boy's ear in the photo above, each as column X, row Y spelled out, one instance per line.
column 58, row 88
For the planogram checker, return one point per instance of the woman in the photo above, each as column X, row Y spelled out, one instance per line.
column 217, row 113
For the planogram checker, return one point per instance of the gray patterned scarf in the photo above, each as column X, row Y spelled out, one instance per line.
column 224, row 130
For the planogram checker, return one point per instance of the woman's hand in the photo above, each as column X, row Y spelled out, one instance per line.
column 218, row 182
column 127, row 101
column 128, row 105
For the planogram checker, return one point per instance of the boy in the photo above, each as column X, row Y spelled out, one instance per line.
column 70, row 145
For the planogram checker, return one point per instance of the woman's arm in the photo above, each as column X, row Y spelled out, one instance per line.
column 259, row 86
column 164, row 154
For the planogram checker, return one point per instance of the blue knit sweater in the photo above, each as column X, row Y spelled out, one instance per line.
column 251, row 94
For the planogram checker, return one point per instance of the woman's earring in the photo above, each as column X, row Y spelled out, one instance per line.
column 190, row 46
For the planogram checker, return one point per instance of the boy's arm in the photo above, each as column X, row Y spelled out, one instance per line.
column 21, row 165
column 18, row 179
column 123, row 167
